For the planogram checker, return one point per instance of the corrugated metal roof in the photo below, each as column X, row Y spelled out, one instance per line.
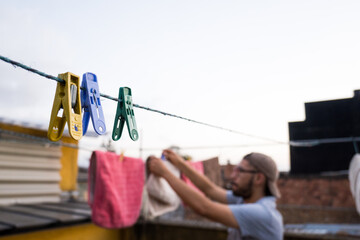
column 19, row 218
column 323, row 229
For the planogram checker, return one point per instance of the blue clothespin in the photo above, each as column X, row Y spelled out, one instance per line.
column 90, row 101
column 125, row 113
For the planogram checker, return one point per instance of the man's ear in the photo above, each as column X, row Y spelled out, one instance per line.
column 260, row 178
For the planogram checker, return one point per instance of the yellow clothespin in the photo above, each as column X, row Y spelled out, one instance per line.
column 67, row 97
column 121, row 158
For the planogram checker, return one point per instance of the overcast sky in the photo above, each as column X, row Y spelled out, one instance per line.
column 244, row 65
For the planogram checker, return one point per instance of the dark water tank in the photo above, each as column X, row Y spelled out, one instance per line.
column 326, row 119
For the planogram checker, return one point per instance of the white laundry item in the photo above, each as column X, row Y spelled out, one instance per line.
column 354, row 180
column 159, row 198
column 152, row 208
column 159, row 188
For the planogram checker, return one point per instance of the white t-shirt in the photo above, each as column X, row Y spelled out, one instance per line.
column 259, row 220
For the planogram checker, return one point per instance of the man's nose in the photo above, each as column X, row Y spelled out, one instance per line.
column 233, row 175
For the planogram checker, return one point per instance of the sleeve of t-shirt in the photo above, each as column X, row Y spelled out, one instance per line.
column 232, row 199
column 250, row 217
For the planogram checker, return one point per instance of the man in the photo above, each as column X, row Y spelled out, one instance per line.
column 249, row 210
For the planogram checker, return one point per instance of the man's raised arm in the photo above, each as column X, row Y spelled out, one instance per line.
column 200, row 181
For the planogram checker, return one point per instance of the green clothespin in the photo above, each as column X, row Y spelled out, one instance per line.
column 125, row 113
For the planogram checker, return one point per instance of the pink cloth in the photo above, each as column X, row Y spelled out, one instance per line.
column 198, row 166
column 115, row 189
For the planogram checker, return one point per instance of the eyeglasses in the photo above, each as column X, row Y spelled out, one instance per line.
column 242, row 170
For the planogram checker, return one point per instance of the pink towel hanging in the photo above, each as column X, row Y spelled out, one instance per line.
column 198, row 166
column 115, row 189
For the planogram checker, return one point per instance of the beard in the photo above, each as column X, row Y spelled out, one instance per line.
column 244, row 192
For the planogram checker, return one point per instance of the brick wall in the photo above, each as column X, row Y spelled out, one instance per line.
column 316, row 199
column 331, row 191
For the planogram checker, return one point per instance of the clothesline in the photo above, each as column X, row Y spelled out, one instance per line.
column 48, row 76
column 45, row 141
column 299, row 143
column 293, row 143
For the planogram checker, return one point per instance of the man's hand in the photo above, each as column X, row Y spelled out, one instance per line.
column 157, row 166
column 173, row 157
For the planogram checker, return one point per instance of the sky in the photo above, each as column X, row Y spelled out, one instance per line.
column 244, row 65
